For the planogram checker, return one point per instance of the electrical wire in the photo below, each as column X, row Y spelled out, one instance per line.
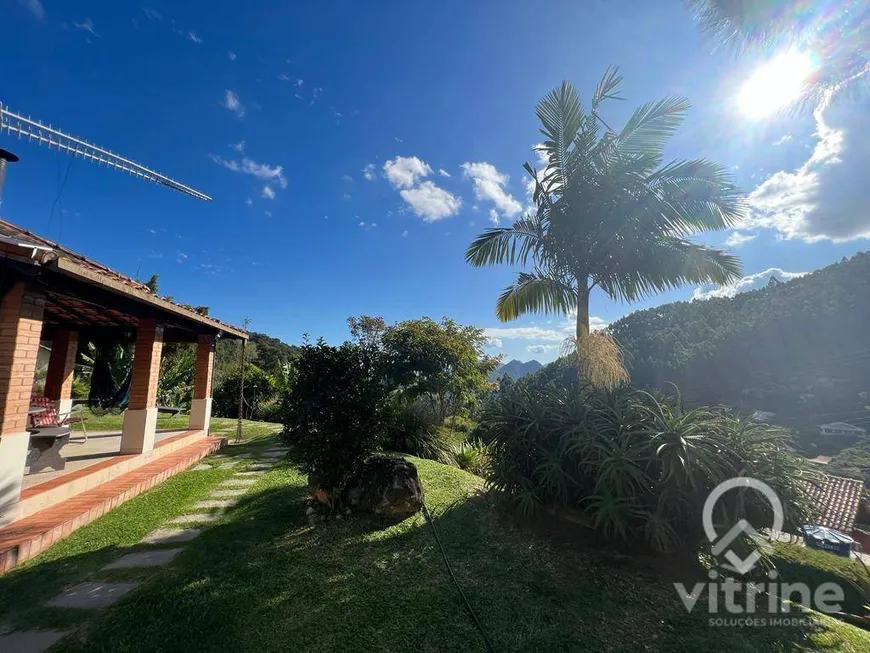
column 58, row 196
column 487, row 644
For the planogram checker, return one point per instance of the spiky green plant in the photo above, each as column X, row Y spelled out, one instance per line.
column 638, row 465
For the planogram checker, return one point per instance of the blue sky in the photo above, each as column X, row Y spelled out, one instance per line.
column 354, row 149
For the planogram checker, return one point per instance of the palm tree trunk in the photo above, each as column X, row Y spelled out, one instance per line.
column 582, row 307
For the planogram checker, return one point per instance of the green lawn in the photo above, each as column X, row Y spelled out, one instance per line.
column 262, row 579
column 225, row 426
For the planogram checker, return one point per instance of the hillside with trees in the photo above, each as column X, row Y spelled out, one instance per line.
column 798, row 349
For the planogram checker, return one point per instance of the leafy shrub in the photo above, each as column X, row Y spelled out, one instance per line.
column 413, row 428
column 259, row 389
column 335, row 409
column 472, row 457
column 639, row 466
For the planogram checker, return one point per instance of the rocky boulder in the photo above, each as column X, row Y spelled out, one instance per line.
column 384, row 485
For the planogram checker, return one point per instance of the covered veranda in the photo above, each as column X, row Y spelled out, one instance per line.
column 56, row 298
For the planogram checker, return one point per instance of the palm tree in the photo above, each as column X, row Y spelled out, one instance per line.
column 608, row 214
column 839, row 38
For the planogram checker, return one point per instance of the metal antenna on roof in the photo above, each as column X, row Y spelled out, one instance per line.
column 33, row 130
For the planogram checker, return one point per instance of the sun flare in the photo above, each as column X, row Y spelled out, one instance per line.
column 775, row 84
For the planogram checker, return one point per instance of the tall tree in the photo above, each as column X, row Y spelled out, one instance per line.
column 838, row 37
column 443, row 363
column 608, row 213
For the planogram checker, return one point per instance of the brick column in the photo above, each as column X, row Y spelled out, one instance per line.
column 20, row 328
column 61, row 366
column 140, row 420
column 200, row 408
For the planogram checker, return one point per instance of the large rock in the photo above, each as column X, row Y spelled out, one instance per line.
column 385, row 485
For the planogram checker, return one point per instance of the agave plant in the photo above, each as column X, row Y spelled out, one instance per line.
column 639, row 466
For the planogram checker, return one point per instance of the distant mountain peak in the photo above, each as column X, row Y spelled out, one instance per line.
column 515, row 369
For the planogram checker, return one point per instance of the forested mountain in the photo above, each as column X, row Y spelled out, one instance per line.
column 800, row 349
column 515, row 369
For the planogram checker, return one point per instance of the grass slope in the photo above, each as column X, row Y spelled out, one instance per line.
column 262, row 579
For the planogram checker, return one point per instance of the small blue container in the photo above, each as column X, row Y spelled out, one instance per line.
column 827, row 539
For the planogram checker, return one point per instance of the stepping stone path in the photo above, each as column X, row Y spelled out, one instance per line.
column 156, row 558
column 238, row 482
column 195, row 517
column 94, row 594
column 30, row 641
column 88, row 596
column 230, row 492
column 215, row 503
column 170, row 535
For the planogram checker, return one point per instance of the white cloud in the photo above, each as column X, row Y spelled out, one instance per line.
column 595, row 324
column 268, row 214
column 443, row 172
column 494, row 342
column 238, row 147
column 249, row 201
column 493, row 216
column 346, row 178
column 738, row 239
column 231, row 55
column 232, row 102
column 87, row 26
column 268, row 192
column 369, row 172
column 826, row 197
column 34, row 7
column 541, row 349
column 489, row 184
column 430, row 202
column 750, row 282
column 405, row 234
column 565, row 328
column 193, row 37
column 786, row 138
column 181, row 257
column 151, row 14
column 524, row 333
column 262, row 171
column 405, row 171
column 367, row 225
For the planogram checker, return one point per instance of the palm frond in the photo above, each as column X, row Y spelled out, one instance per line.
column 665, row 265
column 561, row 115
column 509, row 245
column 535, row 293
column 652, row 125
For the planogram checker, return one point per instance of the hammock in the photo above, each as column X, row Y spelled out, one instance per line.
column 106, row 397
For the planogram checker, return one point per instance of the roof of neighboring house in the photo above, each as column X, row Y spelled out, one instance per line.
column 54, row 256
column 821, row 460
column 842, row 426
column 837, row 500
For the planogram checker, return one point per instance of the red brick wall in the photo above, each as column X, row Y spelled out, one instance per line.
column 61, row 365
column 20, row 328
column 146, row 364
column 204, row 367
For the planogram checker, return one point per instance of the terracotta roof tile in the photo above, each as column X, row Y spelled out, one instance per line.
column 837, row 500
column 9, row 230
